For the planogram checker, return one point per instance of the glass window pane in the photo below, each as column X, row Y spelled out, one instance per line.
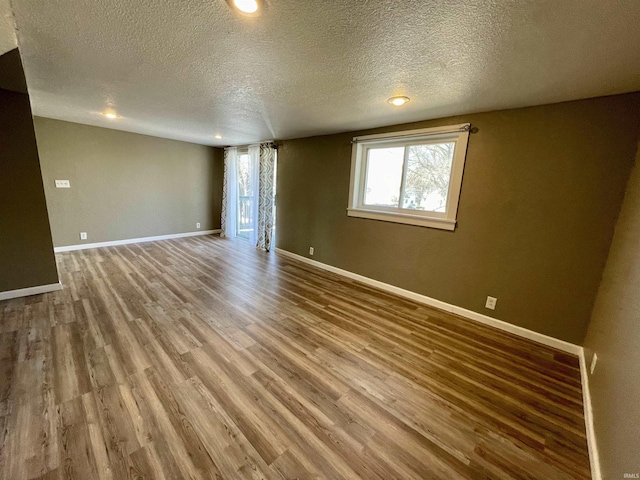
column 244, row 214
column 428, row 174
column 384, row 176
column 244, row 171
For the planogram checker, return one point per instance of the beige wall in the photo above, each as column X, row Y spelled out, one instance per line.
column 614, row 334
column 125, row 185
column 26, row 251
column 541, row 192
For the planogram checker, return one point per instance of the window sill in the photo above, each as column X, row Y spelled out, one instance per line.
column 418, row 220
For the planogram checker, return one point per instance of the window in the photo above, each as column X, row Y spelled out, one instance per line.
column 409, row 177
column 246, row 196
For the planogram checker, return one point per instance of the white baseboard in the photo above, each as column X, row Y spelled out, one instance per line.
column 499, row 324
column 25, row 292
column 594, row 456
column 84, row 246
column 447, row 307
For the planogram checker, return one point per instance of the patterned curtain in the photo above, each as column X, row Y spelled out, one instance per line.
column 223, row 219
column 265, row 196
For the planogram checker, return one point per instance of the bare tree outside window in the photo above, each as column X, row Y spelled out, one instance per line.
column 428, row 173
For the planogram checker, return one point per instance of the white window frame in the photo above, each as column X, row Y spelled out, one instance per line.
column 443, row 220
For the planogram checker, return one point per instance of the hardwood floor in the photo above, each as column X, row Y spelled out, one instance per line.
column 203, row 358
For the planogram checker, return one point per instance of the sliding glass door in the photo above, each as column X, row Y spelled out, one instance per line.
column 245, row 223
column 248, row 209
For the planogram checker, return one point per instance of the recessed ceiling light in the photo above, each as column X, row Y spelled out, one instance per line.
column 246, row 6
column 110, row 114
column 218, row 136
column 398, row 101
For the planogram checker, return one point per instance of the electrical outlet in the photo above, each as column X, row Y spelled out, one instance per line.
column 63, row 184
column 83, row 235
column 198, row 225
column 594, row 360
column 491, row 303
column 311, row 250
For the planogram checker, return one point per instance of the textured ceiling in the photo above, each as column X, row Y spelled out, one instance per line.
column 7, row 28
column 187, row 69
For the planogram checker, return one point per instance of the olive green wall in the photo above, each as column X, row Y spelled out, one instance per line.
column 26, row 251
column 541, row 192
column 613, row 334
column 125, row 185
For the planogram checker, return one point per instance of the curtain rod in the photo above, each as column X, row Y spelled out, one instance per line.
column 271, row 144
column 423, row 132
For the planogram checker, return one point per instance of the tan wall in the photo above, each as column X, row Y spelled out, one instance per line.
column 125, row 185
column 613, row 334
column 541, row 191
column 26, row 251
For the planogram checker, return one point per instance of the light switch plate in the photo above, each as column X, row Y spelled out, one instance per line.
column 63, row 184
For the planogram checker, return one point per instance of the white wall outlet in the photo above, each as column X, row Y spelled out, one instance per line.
column 491, row 303
column 594, row 360
column 198, row 225
column 311, row 250
column 63, row 184
column 83, row 235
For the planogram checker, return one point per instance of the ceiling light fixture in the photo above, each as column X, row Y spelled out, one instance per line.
column 398, row 101
column 218, row 136
column 110, row 114
column 246, row 6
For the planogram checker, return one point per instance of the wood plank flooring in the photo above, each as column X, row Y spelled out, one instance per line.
column 202, row 358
